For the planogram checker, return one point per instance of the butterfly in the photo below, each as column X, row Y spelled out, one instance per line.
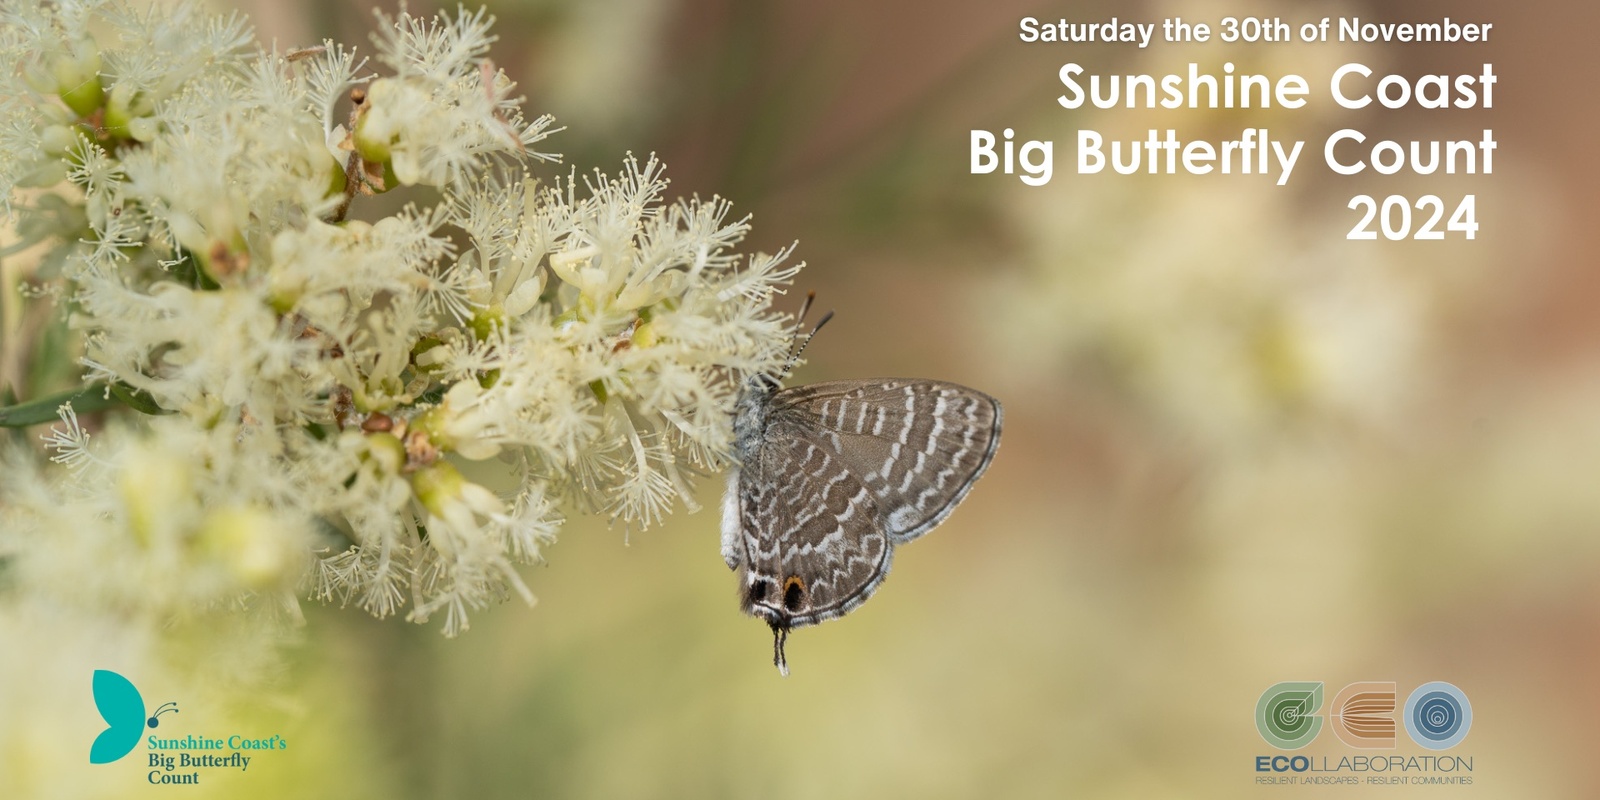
column 831, row 477
column 122, row 709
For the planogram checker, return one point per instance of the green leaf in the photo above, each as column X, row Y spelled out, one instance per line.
column 84, row 400
column 189, row 272
column 137, row 399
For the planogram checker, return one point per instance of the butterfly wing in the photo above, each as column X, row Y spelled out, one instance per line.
column 916, row 445
column 122, row 708
column 813, row 548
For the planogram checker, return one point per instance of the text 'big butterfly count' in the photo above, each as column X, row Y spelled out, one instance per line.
column 832, row 476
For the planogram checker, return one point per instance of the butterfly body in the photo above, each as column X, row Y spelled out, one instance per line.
column 832, row 476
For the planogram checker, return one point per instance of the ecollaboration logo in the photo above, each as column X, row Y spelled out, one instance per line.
column 123, row 710
column 1436, row 716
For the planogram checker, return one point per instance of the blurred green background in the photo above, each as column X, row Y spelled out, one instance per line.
column 1239, row 449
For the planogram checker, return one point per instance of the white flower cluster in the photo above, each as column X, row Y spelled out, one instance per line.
column 181, row 519
column 325, row 376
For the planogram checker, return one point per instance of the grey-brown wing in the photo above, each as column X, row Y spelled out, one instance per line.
column 813, row 546
column 917, row 445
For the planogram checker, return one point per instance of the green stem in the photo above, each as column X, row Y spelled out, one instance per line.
column 89, row 398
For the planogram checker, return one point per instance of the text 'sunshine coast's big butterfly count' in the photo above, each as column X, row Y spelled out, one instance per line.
column 832, row 476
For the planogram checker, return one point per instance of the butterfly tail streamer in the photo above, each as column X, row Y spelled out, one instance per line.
column 780, row 637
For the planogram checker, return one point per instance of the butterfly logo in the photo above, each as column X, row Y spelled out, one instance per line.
column 123, row 710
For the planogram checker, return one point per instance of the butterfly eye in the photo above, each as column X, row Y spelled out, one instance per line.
column 794, row 594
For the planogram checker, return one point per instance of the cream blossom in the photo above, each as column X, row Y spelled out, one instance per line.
column 318, row 372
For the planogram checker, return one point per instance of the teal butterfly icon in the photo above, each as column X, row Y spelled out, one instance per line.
column 123, row 710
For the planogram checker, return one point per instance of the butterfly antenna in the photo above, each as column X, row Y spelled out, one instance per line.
column 799, row 342
column 155, row 719
column 799, row 321
column 813, row 333
column 805, row 308
column 780, row 636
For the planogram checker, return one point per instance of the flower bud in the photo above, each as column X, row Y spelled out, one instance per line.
column 157, row 492
column 250, row 544
column 126, row 104
column 450, row 497
column 387, row 451
column 77, row 77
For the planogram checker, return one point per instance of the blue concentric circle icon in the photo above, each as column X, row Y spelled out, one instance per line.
column 1438, row 715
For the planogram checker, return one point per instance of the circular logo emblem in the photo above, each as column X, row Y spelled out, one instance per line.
column 1438, row 715
column 1286, row 714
